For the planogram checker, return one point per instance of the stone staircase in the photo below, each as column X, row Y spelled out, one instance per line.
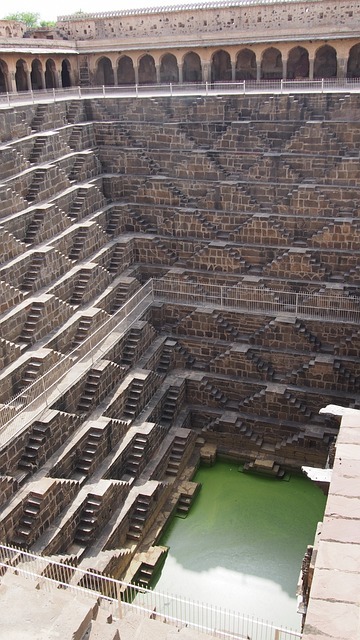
column 37, row 149
column 75, row 138
column 80, row 286
column 170, row 406
column 131, row 346
column 300, row 327
column 37, row 438
column 82, row 331
column 88, row 395
column 32, row 273
column 32, row 371
column 76, row 168
column 137, row 456
column 29, row 328
column 166, row 357
column 36, row 184
column 114, row 221
column 26, row 528
column 88, row 453
column 177, row 451
column 133, row 397
column 117, row 259
column 78, row 204
column 86, row 529
column 264, row 466
column 33, row 227
column 138, row 517
column 39, row 117
column 78, row 244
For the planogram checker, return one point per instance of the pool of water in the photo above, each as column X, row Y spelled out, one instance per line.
column 242, row 544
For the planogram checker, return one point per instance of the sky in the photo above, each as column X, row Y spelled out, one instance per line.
column 49, row 10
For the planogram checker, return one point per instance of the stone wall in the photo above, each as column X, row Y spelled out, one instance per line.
column 238, row 20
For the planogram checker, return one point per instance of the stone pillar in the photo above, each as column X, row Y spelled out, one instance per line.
column 284, row 66
column 58, row 79
column 157, row 67
column 341, row 68
column 258, row 70
column 28, row 79
column 136, row 72
column 180, row 74
column 115, row 76
column 11, row 82
column 233, row 71
column 311, row 68
column 42, row 75
column 206, row 67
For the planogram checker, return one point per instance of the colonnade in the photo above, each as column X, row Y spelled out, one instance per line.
column 229, row 64
column 34, row 73
column 225, row 66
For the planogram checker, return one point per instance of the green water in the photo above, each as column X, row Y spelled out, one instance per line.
column 242, row 544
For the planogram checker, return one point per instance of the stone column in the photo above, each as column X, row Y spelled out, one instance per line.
column 341, row 68
column 157, row 67
column 206, row 72
column 136, row 72
column 180, row 74
column 258, row 70
column 42, row 76
column 311, row 68
column 28, row 79
column 284, row 66
column 233, row 71
column 11, row 82
column 58, row 79
column 115, row 76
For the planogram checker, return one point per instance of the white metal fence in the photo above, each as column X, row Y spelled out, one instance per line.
column 244, row 87
column 260, row 300
column 179, row 611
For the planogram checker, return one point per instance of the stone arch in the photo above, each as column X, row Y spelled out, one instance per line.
column 169, row 70
column 104, row 72
column 65, row 73
column 50, row 74
column 325, row 63
column 298, row 63
column 21, row 80
column 271, row 64
column 245, row 65
column 147, row 70
column 353, row 65
column 36, row 74
column 192, row 71
column 221, row 66
column 125, row 71
column 4, row 77
column 7, row 32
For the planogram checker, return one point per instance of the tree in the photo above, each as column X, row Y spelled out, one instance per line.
column 30, row 19
column 47, row 23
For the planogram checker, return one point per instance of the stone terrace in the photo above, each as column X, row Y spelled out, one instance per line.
column 99, row 196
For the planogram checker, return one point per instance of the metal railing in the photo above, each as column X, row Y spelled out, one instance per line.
column 30, row 402
column 260, row 300
column 125, row 597
column 243, row 87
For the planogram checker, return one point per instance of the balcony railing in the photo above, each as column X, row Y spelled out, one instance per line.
column 244, row 87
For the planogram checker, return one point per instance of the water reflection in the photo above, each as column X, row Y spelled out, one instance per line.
column 242, row 544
